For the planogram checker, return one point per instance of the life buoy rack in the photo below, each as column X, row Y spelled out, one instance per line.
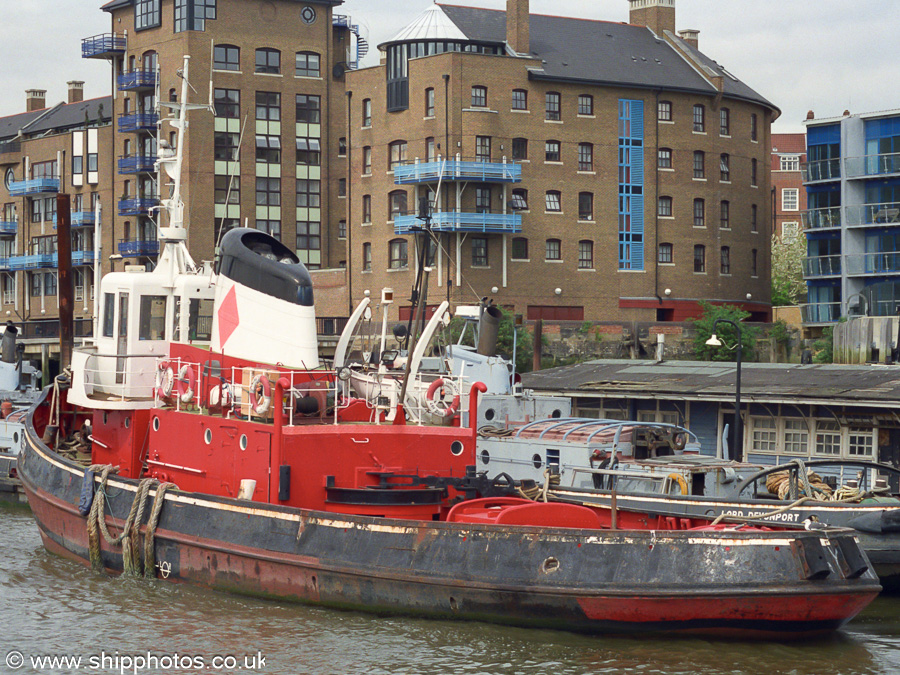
column 186, row 384
column 260, row 394
column 438, row 406
column 165, row 380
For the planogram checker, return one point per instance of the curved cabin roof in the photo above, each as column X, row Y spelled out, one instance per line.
column 589, row 51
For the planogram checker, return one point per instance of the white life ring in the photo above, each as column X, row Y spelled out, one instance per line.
column 186, row 383
column 439, row 406
column 220, row 396
column 260, row 394
column 165, row 380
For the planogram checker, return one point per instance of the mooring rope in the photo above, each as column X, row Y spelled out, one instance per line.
column 150, row 535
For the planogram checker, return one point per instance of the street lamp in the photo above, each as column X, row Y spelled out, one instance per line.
column 714, row 341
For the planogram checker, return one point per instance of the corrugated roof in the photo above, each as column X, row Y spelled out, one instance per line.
column 432, row 24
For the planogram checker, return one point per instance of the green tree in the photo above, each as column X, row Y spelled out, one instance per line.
column 704, row 329
column 788, row 287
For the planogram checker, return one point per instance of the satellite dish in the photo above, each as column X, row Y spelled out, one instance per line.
column 338, row 70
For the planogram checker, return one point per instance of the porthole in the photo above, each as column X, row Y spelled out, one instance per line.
column 243, row 441
column 556, row 414
column 207, row 436
column 16, row 438
column 550, row 565
column 485, row 457
column 456, row 447
column 127, row 422
column 537, row 461
column 489, row 414
column 155, row 424
column 308, row 15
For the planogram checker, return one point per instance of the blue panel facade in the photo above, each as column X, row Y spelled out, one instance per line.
column 631, row 184
column 883, row 128
column 830, row 133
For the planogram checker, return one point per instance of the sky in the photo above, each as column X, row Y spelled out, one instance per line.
column 822, row 55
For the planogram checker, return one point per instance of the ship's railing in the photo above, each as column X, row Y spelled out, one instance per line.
column 120, row 377
column 310, row 393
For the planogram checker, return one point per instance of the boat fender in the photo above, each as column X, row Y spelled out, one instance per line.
column 166, row 379
column 87, row 493
column 682, row 483
column 680, row 440
column 186, row 383
column 437, row 407
column 260, row 394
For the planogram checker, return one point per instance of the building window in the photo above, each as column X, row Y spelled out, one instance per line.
column 272, row 227
column 479, row 96
column 790, row 162
column 309, row 109
column 754, row 225
column 552, row 152
column 699, row 259
column 398, row 254
column 724, row 167
column 553, row 106
column 307, row 64
column 367, row 208
column 479, row 252
column 553, row 200
column 585, row 206
column 789, row 231
column 796, row 437
column 226, row 147
column 367, row 160
column 725, row 260
column 664, row 158
column 699, row 118
column 519, row 99
column 520, row 248
column 724, row 122
column 429, row 102
column 342, row 187
column 482, row 200
column 764, row 435
column 342, row 147
column 397, row 154
column 367, row 257
column 430, row 149
column 665, row 254
column 226, row 57
column 585, row 157
column 753, row 268
column 553, row 250
column 665, row 207
column 585, row 104
column 227, row 190
column 268, row 61
column 309, row 193
column 753, row 127
column 861, row 441
column 665, row 111
column 309, row 151
column 228, row 103
column 519, row 200
column 268, row 106
column 699, row 164
column 397, row 204
column 790, row 199
column 585, row 254
column 309, row 238
column 520, row 148
column 725, row 215
column 367, row 112
column 192, row 14
column 828, row 438
column 147, row 14
column 483, row 148
column 268, row 149
column 753, row 176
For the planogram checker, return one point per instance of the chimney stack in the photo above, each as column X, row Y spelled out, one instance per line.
column 76, row 91
column 35, row 99
column 691, row 36
column 517, row 28
column 657, row 15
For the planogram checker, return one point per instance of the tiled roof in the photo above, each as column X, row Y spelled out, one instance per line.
column 790, row 143
column 61, row 116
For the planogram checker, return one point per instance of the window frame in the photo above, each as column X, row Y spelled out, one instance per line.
column 586, row 105
column 725, row 261
column 586, row 254
column 553, row 106
column 553, row 249
column 553, row 198
column 699, row 119
column 272, row 61
column 553, row 151
column 480, row 252
column 479, row 97
column 665, row 206
column 699, row 259
column 586, row 157
column 307, row 69
column 665, row 253
column 519, row 96
column 664, row 111
column 586, row 206
column 398, row 254
column 226, row 63
column 664, row 158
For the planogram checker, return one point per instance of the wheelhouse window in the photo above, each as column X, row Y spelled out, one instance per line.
column 479, row 96
column 553, row 104
column 307, row 64
column 152, row 318
column 699, row 118
column 520, row 99
column 109, row 309
column 399, row 259
column 268, row 61
column 585, row 104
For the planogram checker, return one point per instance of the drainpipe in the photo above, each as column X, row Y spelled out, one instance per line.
column 439, row 198
column 349, row 269
column 656, row 210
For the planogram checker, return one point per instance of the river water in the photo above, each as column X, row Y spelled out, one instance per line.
column 50, row 607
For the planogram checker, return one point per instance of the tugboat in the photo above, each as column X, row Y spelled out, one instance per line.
column 223, row 455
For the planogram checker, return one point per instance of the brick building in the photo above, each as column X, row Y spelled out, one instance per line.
column 789, row 196
column 583, row 169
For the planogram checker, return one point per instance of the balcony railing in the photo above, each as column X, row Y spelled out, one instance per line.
column 873, row 263
column 140, row 78
column 35, row 261
column 873, row 214
column 815, row 219
column 34, row 187
column 8, row 227
column 459, row 221
column 823, row 169
column 822, row 266
column 4, row 265
column 458, row 169
column 820, row 312
column 102, row 46
column 136, row 206
column 79, row 219
column 137, row 164
column 139, row 247
column 872, row 165
column 131, row 122
column 83, row 257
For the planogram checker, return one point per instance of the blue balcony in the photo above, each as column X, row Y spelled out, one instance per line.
column 827, row 218
column 33, row 262
column 137, row 164
column 871, row 166
column 820, row 312
column 133, row 122
column 4, row 265
column 458, row 221
column 137, row 79
column 821, row 170
column 34, row 187
column 136, row 206
column 83, row 257
column 886, row 263
column 822, row 266
column 145, row 247
column 457, row 169
column 8, row 228
column 102, row 46
column 78, row 219
column 865, row 215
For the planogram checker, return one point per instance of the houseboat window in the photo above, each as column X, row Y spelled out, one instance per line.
column 200, row 321
column 123, row 314
column 109, row 308
column 153, row 317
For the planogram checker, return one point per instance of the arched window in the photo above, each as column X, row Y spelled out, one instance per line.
column 724, row 122
column 519, row 99
column 585, row 254
column 699, row 213
column 725, row 260
column 699, row 259
column 479, row 96
column 307, row 64
column 553, row 249
column 664, row 158
column 226, row 57
column 585, row 156
column 666, row 254
column 665, row 207
column 725, row 215
column 724, row 167
column 396, row 204
column 699, row 118
column 268, row 61
column 367, row 112
column 399, row 258
column 367, row 257
column 553, row 200
column 699, row 164
column 429, row 102
column 397, row 154
column 585, row 206
column 553, row 106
